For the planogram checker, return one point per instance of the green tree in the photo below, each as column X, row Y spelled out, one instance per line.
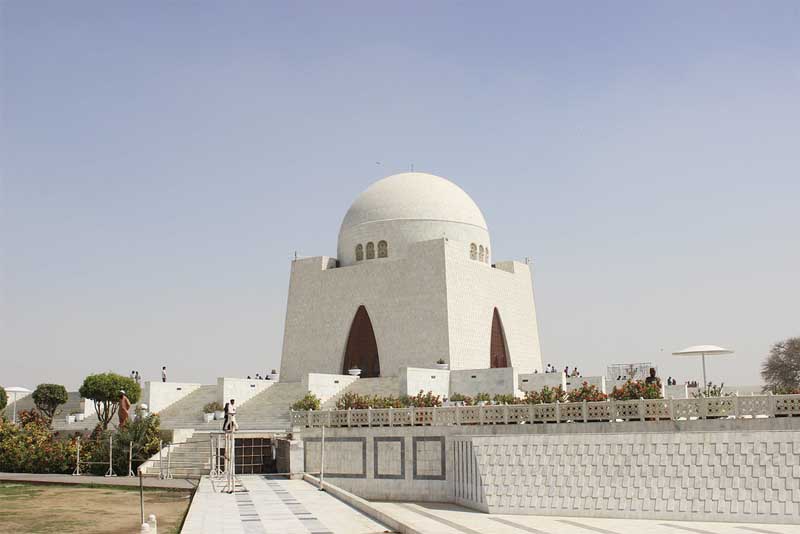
column 3, row 399
column 48, row 397
column 103, row 389
column 781, row 369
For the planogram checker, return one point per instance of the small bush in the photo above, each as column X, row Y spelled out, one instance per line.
column 458, row 397
column 30, row 446
column 3, row 399
column 546, row 395
column 352, row 401
column 586, row 392
column 309, row 402
column 506, row 398
column 425, row 400
column 212, row 407
column 638, row 389
column 482, row 397
column 711, row 391
column 387, row 402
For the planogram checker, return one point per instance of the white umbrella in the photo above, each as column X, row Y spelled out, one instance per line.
column 16, row 390
column 703, row 350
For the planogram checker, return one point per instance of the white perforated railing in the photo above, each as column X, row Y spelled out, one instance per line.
column 611, row 410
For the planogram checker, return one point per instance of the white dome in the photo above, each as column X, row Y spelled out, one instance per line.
column 407, row 208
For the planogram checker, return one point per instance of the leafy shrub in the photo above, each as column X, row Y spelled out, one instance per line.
column 586, row 392
column 104, row 390
column 425, row 400
column 48, row 397
column 387, row 402
column 507, row 398
column 711, row 391
column 31, row 447
column 212, row 407
column 353, row 401
column 458, row 397
column 140, row 437
column 3, row 398
column 482, row 397
column 309, row 402
column 546, row 395
column 638, row 389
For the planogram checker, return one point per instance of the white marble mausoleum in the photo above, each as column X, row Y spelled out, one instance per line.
column 415, row 281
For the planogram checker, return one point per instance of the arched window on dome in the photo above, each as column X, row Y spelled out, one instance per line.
column 383, row 249
column 480, row 253
column 359, row 252
column 487, row 254
column 473, row 251
column 370, row 250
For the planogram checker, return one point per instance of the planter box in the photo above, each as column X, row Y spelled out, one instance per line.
column 442, row 366
column 208, row 417
column 70, row 419
column 219, row 415
column 354, row 372
column 80, row 417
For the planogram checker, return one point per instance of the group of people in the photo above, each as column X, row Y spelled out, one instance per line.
column 259, row 377
column 671, row 381
column 551, row 369
column 138, row 378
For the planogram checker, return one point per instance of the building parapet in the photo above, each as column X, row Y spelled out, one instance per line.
column 603, row 411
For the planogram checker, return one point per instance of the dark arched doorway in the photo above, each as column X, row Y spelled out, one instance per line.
column 498, row 355
column 362, row 349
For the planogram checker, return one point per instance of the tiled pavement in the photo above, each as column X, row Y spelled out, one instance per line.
column 436, row 518
column 263, row 505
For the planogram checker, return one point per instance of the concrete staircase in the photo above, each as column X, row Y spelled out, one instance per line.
column 188, row 411
column 382, row 386
column 269, row 410
column 190, row 459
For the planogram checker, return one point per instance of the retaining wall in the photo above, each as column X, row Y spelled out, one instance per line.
column 737, row 470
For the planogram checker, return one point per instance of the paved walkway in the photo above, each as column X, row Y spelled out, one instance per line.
column 263, row 505
column 149, row 482
column 434, row 518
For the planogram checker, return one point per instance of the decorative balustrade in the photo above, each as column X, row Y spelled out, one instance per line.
column 566, row 412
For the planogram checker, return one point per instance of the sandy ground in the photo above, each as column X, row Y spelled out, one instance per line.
column 37, row 508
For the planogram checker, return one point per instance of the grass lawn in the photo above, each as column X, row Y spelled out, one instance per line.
column 52, row 508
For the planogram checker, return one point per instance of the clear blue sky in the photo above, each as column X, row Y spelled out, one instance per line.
column 161, row 163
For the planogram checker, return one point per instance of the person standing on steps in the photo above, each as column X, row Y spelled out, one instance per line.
column 229, row 423
column 164, row 374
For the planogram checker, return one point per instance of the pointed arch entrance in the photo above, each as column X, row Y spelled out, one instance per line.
column 498, row 352
column 362, row 349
